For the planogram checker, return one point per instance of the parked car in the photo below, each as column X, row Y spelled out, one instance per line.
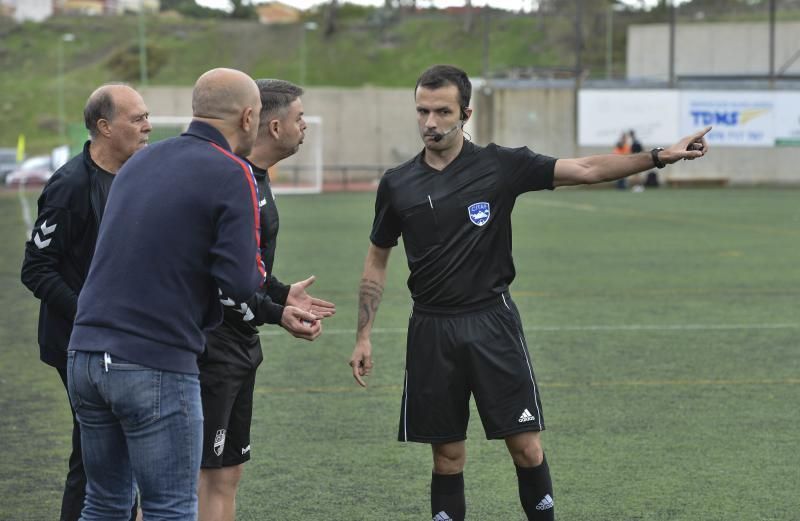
column 34, row 170
column 8, row 161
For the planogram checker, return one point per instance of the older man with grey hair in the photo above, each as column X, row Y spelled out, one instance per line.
column 61, row 246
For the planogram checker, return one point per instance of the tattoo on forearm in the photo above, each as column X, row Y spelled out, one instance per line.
column 369, row 297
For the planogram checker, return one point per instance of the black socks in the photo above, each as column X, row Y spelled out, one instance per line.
column 536, row 492
column 447, row 497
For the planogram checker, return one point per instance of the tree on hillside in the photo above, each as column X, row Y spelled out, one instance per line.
column 329, row 24
column 191, row 9
column 242, row 10
column 469, row 17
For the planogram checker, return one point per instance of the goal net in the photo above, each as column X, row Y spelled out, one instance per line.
column 298, row 174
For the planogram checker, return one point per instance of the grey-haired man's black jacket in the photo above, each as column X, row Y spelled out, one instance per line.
column 60, row 249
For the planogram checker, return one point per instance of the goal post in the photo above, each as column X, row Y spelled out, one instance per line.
column 299, row 174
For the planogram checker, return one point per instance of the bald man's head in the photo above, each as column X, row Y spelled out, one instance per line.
column 223, row 93
column 229, row 101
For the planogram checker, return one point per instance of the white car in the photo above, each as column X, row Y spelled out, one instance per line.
column 34, row 170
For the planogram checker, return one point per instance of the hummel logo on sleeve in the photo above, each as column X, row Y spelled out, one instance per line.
column 546, row 503
column 46, row 230
column 442, row 516
column 526, row 416
column 244, row 309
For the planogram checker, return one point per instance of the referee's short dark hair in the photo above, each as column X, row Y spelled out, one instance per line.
column 276, row 96
column 441, row 75
column 100, row 105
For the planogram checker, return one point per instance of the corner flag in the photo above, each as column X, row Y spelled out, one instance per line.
column 20, row 148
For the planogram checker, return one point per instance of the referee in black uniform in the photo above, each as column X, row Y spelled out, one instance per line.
column 233, row 350
column 452, row 204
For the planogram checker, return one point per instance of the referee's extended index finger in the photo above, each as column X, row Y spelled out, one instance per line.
column 703, row 132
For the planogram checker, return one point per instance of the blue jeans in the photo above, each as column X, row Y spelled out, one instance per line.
column 139, row 427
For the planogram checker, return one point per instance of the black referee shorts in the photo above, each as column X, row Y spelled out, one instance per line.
column 227, row 394
column 453, row 353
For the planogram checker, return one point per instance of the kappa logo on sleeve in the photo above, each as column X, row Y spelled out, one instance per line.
column 479, row 213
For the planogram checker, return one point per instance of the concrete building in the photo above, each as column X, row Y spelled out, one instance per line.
column 132, row 6
column 81, row 7
column 712, row 49
column 277, row 13
column 28, row 10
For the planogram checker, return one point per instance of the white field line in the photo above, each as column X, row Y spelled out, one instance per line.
column 27, row 213
column 604, row 327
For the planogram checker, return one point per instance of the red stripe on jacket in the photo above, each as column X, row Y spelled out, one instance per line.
column 253, row 199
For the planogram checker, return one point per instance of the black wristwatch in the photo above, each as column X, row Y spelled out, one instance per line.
column 656, row 161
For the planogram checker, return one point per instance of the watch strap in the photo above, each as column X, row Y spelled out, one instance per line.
column 656, row 161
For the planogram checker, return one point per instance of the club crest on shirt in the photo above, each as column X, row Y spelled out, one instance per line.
column 479, row 213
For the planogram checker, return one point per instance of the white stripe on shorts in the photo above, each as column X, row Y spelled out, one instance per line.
column 533, row 382
column 405, row 408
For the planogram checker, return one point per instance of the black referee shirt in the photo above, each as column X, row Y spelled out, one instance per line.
column 236, row 340
column 456, row 223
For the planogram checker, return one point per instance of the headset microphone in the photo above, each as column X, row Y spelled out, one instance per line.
column 439, row 137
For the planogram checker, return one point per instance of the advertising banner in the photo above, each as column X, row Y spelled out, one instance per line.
column 739, row 118
column 603, row 115
column 787, row 119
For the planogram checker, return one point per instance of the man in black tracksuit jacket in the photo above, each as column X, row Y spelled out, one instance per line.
column 233, row 350
column 61, row 246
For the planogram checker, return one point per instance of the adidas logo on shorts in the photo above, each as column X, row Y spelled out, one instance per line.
column 442, row 516
column 526, row 416
column 546, row 503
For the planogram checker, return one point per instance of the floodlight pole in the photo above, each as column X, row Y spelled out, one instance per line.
column 142, row 46
column 771, row 43
column 578, row 68
column 609, row 39
column 671, row 43
column 487, row 22
column 68, row 37
column 308, row 26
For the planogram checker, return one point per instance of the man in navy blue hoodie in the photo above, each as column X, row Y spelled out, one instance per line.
column 181, row 226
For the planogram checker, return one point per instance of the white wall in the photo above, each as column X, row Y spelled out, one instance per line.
column 710, row 49
column 32, row 10
column 374, row 126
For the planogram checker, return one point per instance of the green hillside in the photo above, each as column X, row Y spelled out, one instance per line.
column 105, row 49
column 366, row 49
